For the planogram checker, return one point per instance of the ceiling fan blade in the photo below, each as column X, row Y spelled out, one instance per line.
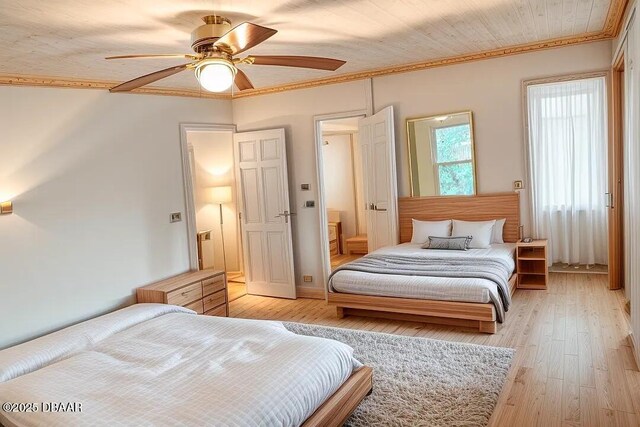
column 299, row 61
column 242, row 81
column 149, row 78
column 177, row 55
column 244, row 37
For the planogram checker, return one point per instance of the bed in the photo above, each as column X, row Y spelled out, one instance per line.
column 157, row 364
column 463, row 288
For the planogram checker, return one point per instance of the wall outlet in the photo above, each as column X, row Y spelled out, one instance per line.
column 176, row 217
column 305, row 187
column 518, row 185
column 307, row 278
column 310, row 204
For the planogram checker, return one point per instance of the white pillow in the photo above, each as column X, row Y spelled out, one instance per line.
column 423, row 229
column 498, row 229
column 480, row 231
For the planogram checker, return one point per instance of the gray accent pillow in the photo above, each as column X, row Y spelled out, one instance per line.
column 448, row 243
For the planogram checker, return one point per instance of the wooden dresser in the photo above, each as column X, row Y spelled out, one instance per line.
column 204, row 292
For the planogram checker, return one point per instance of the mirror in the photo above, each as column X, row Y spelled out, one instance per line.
column 441, row 155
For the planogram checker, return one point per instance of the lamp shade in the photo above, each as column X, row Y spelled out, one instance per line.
column 215, row 75
column 220, row 195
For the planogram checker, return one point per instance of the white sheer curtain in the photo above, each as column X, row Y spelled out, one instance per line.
column 568, row 168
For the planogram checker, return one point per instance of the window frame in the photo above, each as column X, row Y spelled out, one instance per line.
column 525, row 113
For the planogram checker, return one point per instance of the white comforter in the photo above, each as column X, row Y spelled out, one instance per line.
column 160, row 365
column 464, row 289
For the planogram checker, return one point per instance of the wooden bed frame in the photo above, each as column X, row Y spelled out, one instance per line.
column 335, row 411
column 466, row 208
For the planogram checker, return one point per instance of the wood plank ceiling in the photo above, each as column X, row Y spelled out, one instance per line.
column 69, row 38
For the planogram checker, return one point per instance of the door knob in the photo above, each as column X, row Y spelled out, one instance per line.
column 286, row 215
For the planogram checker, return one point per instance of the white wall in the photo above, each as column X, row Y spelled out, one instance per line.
column 339, row 185
column 213, row 155
column 490, row 88
column 93, row 177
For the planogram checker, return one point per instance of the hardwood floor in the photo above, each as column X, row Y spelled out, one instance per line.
column 338, row 260
column 573, row 364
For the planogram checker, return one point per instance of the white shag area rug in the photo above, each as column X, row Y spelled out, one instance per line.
column 421, row 381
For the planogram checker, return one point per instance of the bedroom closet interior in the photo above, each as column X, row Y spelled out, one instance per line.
column 343, row 191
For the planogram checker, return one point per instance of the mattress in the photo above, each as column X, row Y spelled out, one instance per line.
column 462, row 289
column 161, row 365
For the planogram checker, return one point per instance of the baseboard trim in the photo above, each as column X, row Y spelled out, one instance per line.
column 311, row 293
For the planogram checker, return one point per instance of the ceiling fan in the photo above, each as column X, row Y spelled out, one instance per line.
column 215, row 44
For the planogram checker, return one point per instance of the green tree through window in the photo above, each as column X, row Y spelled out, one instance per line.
column 453, row 160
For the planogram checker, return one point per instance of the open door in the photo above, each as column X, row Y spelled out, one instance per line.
column 378, row 154
column 263, row 204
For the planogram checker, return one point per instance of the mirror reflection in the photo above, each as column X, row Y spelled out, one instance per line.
column 441, row 155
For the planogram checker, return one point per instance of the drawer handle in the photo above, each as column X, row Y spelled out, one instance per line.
column 184, row 294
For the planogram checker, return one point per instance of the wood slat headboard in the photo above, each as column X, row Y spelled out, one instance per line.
column 481, row 207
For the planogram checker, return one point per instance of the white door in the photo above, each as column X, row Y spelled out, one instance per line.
column 378, row 154
column 263, row 195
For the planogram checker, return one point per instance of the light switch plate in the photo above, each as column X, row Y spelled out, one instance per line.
column 518, row 185
column 307, row 278
column 176, row 216
column 305, row 187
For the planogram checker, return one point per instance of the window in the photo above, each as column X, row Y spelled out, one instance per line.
column 453, row 159
column 567, row 130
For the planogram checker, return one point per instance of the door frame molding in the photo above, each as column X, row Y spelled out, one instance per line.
column 187, row 182
column 616, row 173
column 322, row 203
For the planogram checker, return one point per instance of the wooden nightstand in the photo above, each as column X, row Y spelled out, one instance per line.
column 531, row 264
column 204, row 292
column 357, row 245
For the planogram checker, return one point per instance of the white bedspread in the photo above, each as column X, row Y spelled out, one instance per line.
column 160, row 365
column 464, row 289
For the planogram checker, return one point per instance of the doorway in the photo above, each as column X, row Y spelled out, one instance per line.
column 337, row 137
column 212, row 208
column 237, row 207
column 356, row 166
column 343, row 191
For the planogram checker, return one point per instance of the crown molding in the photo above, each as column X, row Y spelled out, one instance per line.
column 71, row 83
column 611, row 29
column 613, row 24
column 615, row 17
column 417, row 66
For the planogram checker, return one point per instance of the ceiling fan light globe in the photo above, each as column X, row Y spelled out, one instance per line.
column 216, row 75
